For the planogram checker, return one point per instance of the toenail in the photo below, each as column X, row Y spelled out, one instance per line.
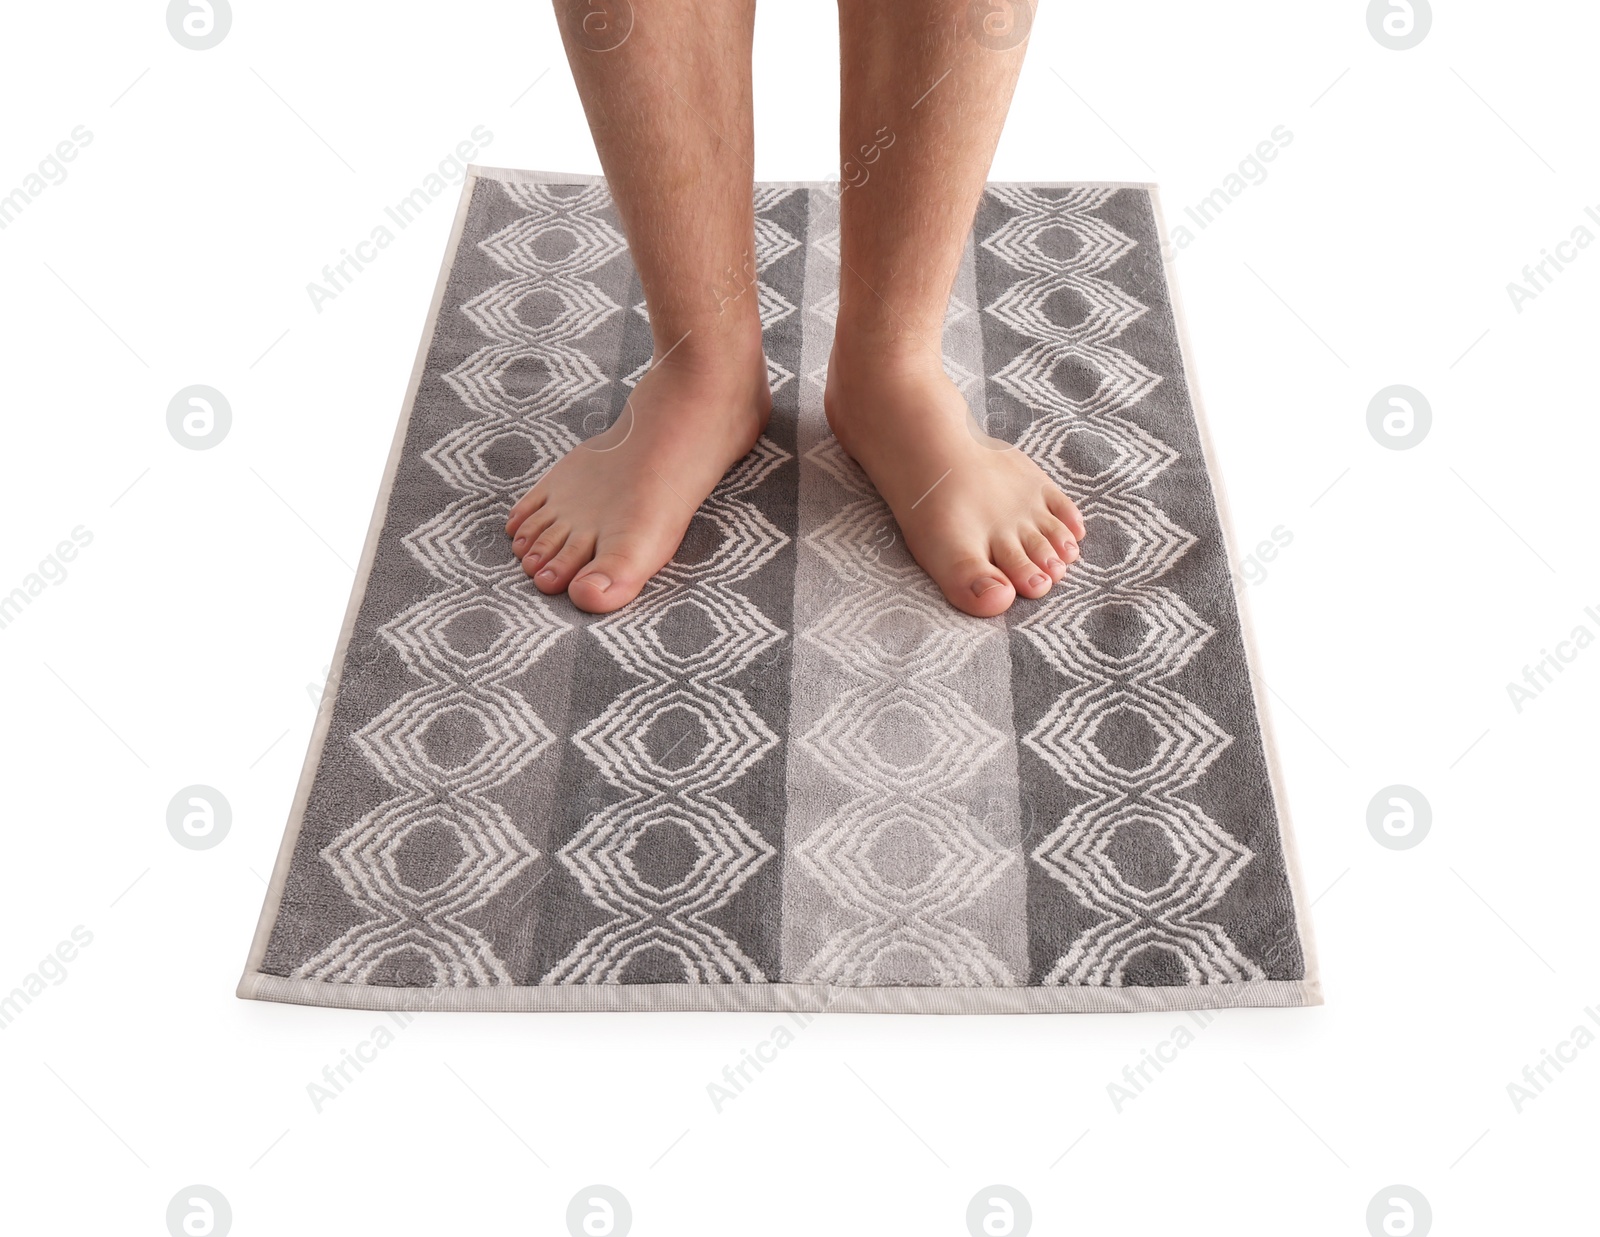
column 1055, row 564
column 1039, row 582
column 983, row 585
column 599, row 579
column 518, row 544
column 1072, row 554
column 546, row 574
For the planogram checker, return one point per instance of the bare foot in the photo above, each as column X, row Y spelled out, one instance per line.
column 611, row 513
column 980, row 517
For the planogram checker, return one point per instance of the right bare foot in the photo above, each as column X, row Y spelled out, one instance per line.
column 612, row 512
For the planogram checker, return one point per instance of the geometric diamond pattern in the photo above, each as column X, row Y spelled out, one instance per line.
column 461, row 688
column 904, row 744
column 1077, row 379
column 901, row 743
column 686, row 693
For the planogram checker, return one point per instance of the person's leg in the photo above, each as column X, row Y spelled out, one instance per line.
column 922, row 105
column 670, row 111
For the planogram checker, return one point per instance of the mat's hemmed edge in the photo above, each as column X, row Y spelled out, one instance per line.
column 779, row 998
column 369, row 552
column 1275, row 779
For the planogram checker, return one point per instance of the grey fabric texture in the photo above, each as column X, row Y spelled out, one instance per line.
column 790, row 775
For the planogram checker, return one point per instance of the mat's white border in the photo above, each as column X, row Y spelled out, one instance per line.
column 772, row 997
column 619, row 998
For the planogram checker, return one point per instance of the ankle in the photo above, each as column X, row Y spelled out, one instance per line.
column 908, row 334
column 865, row 357
column 728, row 358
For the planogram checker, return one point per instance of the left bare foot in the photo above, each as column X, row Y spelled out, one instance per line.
column 981, row 518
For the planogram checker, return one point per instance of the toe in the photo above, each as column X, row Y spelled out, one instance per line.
column 1029, row 578
column 1065, row 510
column 529, row 531
column 973, row 585
column 1045, row 555
column 525, row 506
column 1060, row 538
column 610, row 580
column 545, row 546
column 557, row 573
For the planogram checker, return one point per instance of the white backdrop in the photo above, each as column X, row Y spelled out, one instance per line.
column 182, row 637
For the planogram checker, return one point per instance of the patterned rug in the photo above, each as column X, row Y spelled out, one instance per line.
column 790, row 775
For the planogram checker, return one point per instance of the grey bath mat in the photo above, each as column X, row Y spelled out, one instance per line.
column 790, row 776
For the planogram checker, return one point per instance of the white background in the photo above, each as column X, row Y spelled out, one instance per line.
column 180, row 646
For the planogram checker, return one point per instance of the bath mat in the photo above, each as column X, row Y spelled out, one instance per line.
column 790, row 775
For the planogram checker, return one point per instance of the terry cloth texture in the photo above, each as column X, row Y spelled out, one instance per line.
column 790, row 775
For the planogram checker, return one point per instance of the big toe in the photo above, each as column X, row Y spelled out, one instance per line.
column 610, row 581
column 974, row 585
